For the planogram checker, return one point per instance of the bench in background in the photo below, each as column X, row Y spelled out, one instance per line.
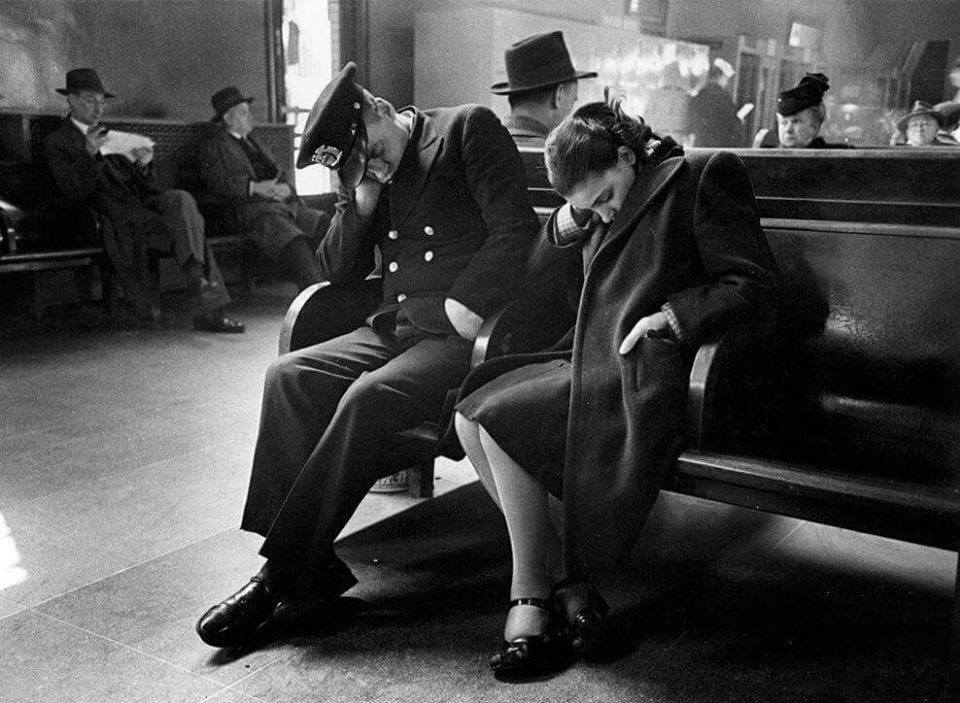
column 45, row 233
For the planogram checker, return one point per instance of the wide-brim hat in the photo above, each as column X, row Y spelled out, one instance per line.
column 225, row 98
column 919, row 108
column 538, row 62
column 334, row 135
column 84, row 79
column 807, row 93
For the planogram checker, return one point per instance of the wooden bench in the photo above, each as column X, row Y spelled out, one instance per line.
column 54, row 232
column 848, row 413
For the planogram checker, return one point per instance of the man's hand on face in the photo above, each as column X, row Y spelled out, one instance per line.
column 366, row 196
column 96, row 136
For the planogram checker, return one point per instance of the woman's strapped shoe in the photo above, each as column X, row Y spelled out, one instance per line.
column 582, row 628
column 528, row 655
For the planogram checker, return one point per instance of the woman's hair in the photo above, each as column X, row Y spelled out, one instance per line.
column 588, row 140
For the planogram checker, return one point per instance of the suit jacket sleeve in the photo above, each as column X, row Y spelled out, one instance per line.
column 734, row 253
column 223, row 174
column 347, row 252
column 495, row 177
column 74, row 170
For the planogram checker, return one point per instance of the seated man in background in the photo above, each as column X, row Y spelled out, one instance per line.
column 440, row 194
column 241, row 175
column 713, row 117
column 541, row 86
column 801, row 113
column 91, row 168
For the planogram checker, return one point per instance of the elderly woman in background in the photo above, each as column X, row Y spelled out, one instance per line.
column 921, row 127
column 656, row 252
column 801, row 114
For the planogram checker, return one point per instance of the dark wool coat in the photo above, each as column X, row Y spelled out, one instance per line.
column 455, row 222
column 688, row 235
column 119, row 191
column 226, row 173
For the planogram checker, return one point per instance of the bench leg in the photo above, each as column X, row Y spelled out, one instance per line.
column 420, row 479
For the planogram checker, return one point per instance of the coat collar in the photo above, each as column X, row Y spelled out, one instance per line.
column 523, row 126
column 647, row 186
column 422, row 151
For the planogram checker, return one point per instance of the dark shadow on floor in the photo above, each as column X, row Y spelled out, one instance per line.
column 683, row 626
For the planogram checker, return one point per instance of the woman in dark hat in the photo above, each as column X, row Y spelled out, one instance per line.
column 801, row 113
column 655, row 251
column 921, row 126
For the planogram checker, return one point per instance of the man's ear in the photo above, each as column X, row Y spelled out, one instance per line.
column 557, row 96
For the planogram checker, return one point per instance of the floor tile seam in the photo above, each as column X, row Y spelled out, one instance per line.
column 787, row 536
column 254, row 672
column 232, row 689
column 142, row 467
column 125, row 646
column 128, row 568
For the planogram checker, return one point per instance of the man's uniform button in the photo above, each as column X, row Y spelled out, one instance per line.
column 401, row 297
column 428, row 256
column 393, row 267
column 393, row 234
column 428, row 230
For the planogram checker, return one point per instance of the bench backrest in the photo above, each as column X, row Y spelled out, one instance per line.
column 868, row 244
column 176, row 145
column 27, row 182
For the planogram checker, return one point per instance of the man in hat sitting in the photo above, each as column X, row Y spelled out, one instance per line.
column 137, row 216
column 801, row 113
column 440, row 195
column 541, row 86
column 243, row 182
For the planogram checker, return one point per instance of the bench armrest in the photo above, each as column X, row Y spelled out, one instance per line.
column 518, row 327
column 732, row 388
column 324, row 311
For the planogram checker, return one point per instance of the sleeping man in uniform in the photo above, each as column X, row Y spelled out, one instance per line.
column 441, row 194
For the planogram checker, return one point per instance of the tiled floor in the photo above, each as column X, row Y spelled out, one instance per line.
column 124, row 459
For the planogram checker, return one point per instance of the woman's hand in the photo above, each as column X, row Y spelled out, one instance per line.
column 656, row 321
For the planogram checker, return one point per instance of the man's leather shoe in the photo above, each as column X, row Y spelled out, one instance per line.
column 241, row 619
column 217, row 322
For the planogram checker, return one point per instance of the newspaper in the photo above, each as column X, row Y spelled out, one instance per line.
column 124, row 143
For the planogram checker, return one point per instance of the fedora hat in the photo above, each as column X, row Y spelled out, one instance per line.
column 83, row 79
column 225, row 98
column 334, row 135
column 919, row 108
column 536, row 62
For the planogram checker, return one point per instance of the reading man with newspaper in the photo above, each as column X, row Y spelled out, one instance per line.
column 112, row 173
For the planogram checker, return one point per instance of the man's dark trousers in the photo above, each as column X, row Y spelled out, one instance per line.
column 328, row 422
